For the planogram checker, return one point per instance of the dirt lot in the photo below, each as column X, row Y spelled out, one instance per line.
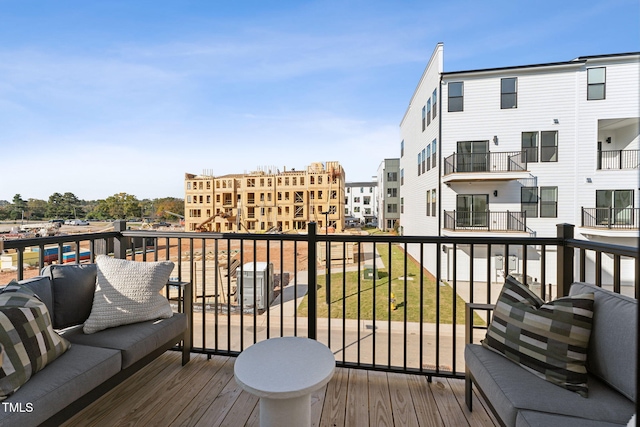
column 292, row 255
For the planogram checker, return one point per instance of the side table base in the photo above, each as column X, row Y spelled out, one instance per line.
column 294, row 412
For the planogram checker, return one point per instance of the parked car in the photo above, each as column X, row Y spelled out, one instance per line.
column 57, row 222
column 78, row 222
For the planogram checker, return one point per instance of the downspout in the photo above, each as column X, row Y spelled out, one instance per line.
column 440, row 224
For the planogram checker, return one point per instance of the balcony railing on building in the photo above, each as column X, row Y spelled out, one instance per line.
column 618, row 159
column 509, row 221
column 612, row 218
column 491, row 162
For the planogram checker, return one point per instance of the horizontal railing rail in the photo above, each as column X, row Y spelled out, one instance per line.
column 514, row 161
column 391, row 303
column 619, row 159
column 485, row 221
column 614, row 218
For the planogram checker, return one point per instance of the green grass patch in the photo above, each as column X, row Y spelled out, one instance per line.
column 367, row 299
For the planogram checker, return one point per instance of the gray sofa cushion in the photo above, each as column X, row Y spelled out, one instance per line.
column 73, row 288
column 612, row 349
column 541, row 419
column 510, row 388
column 69, row 377
column 135, row 340
column 41, row 286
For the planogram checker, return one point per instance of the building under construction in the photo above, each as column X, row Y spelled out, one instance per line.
column 267, row 200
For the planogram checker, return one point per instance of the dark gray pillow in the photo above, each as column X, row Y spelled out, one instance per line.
column 41, row 286
column 73, row 288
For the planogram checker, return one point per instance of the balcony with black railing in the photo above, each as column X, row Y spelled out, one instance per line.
column 611, row 218
column 487, row 221
column 618, row 159
column 486, row 166
column 384, row 304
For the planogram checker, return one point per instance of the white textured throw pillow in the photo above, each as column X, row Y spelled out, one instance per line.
column 128, row 292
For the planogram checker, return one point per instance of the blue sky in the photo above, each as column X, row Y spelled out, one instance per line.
column 102, row 97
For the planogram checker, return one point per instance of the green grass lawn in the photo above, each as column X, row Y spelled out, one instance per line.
column 348, row 295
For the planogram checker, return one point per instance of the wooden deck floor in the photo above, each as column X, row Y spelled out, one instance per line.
column 204, row 393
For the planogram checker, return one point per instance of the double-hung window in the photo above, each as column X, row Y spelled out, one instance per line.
column 549, row 146
column 509, row 93
column 530, row 146
column 456, row 96
column 529, row 201
column 548, row 202
column 434, row 102
column 428, row 112
column 424, row 119
column 596, row 82
column 433, row 153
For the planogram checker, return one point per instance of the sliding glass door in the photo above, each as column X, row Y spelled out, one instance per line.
column 471, row 210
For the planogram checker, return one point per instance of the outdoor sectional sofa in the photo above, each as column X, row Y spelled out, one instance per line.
column 94, row 362
column 518, row 397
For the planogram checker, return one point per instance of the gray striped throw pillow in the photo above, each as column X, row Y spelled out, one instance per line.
column 548, row 339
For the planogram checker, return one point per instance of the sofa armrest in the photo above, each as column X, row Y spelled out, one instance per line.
column 470, row 308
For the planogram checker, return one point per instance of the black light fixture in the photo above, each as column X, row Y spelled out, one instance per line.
column 495, row 193
column 608, row 140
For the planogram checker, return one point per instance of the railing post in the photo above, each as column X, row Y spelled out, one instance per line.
column 312, row 292
column 565, row 259
column 120, row 244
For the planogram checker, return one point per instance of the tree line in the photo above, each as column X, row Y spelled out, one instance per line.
column 67, row 205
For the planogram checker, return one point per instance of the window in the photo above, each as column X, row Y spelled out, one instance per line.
column 424, row 113
column 529, row 201
column 392, row 208
column 402, row 148
column 548, row 202
column 366, row 200
column 392, row 192
column 401, row 204
column 402, row 176
column 614, row 207
column 530, row 146
column 434, row 99
column 433, row 202
column 424, row 154
column 428, row 112
column 508, row 93
column 428, row 202
column 419, row 163
column 433, row 153
column 356, row 200
column 471, row 210
column 596, row 81
column 428, row 159
column 188, row 185
column 456, row 96
column 549, row 146
column 392, row 176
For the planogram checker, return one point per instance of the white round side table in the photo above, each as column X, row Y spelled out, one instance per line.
column 283, row 372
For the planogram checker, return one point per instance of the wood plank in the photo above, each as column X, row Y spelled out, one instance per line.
column 152, row 396
column 379, row 400
column 194, row 410
column 167, row 413
column 154, row 373
column 423, row 401
column 220, row 405
column 357, row 413
column 241, row 410
column 335, row 405
column 404, row 413
column 317, row 403
column 447, row 405
column 480, row 416
column 254, row 419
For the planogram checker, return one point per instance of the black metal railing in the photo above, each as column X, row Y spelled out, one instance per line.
column 485, row 221
column 619, row 159
column 613, row 218
column 392, row 303
column 514, row 161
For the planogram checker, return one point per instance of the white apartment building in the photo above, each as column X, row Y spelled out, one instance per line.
column 514, row 151
column 361, row 201
column 389, row 180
